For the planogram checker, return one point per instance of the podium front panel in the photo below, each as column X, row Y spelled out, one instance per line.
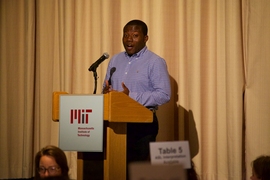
column 81, row 123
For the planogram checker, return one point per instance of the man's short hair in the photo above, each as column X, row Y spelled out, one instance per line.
column 138, row 23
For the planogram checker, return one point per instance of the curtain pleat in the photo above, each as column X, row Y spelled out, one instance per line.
column 257, row 80
column 17, row 38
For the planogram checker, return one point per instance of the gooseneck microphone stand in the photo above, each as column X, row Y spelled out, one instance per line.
column 94, row 66
column 95, row 77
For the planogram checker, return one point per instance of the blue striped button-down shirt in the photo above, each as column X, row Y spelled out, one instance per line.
column 145, row 74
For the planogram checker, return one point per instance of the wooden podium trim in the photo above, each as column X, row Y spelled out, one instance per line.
column 124, row 109
column 55, row 105
column 118, row 107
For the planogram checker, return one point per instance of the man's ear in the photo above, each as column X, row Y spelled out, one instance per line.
column 146, row 38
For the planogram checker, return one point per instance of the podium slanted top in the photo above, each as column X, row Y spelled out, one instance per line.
column 118, row 107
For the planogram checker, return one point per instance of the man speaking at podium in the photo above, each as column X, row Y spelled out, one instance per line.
column 143, row 76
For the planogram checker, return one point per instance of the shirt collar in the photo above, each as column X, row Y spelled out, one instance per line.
column 138, row 54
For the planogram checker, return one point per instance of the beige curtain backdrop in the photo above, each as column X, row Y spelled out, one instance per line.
column 217, row 52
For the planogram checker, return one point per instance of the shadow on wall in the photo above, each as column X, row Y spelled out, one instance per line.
column 184, row 123
column 190, row 131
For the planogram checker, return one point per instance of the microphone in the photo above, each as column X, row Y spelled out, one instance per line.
column 113, row 69
column 94, row 66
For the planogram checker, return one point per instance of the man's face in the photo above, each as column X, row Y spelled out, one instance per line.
column 133, row 39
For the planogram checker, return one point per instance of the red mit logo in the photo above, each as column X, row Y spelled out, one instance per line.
column 81, row 115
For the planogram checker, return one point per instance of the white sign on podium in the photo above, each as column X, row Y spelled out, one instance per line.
column 81, row 123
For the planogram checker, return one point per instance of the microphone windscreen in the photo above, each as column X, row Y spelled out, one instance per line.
column 106, row 55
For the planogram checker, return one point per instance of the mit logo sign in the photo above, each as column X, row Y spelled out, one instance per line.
column 80, row 115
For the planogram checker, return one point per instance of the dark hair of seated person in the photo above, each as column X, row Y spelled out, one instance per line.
column 261, row 167
column 191, row 173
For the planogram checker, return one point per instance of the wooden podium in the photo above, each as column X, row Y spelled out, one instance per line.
column 119, row 109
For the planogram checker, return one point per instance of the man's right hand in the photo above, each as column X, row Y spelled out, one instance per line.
column 107, row 88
